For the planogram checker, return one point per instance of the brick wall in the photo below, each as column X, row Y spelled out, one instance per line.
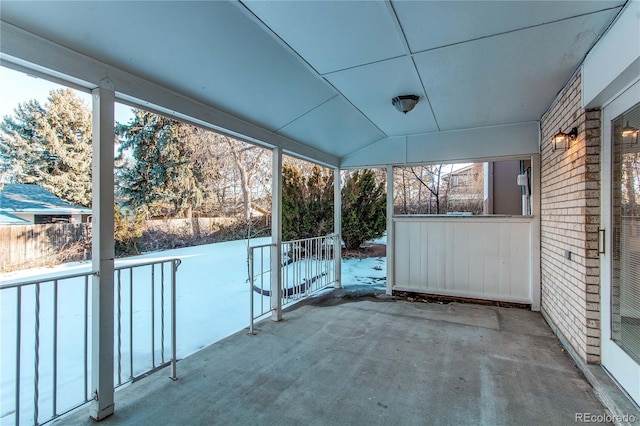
column 570, row 207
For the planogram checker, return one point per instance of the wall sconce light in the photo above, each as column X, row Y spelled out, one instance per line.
column 563, row 140
column 629, row 135
column 405, row 103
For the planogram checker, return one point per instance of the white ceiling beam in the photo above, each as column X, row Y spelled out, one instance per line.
column 613, row 64
column 25, row 50
column 508, row 141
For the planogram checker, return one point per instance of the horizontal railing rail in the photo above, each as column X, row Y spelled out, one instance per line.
column 52, row 315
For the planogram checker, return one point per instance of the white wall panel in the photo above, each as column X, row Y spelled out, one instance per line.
column 483, row 142
column 511, row 140
column 477, row 257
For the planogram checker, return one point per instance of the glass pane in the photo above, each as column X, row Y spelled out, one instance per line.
column 487, row 188
column 625, row 292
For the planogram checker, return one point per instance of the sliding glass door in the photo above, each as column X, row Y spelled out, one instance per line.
column 620, row 240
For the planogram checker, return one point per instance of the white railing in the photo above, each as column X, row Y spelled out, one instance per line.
column 46, row 371
column 259, row 282
column 308, row 265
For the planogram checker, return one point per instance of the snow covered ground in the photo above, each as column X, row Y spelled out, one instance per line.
column 212, row 303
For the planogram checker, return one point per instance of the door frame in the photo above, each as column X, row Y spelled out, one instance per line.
column 615, row 360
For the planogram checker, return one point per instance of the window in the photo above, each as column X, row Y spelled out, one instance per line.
column 464, row 188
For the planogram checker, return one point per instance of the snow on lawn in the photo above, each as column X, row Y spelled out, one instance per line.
column 212, row 303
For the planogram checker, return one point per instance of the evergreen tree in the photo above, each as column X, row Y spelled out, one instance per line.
column 307, row 203
column 50, row 146
column 158, row 174
column 128, row 228
column 363, row 209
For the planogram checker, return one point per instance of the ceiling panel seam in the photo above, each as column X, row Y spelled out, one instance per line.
column 379, row 61
column 307, row 112
column 407, row 50
column 426, row 95
column 516, row 30
column 411, row 54
column 249, row 13
column 277, row 37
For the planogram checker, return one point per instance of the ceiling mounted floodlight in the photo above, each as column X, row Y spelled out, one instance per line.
column 405, row 103
column 629, row 134
column 563, row 140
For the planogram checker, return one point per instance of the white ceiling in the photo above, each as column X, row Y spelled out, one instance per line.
column 324, row 72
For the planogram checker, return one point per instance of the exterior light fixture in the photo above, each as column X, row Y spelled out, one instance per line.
column 629, row 135
column 563, row 140
column 405, row 103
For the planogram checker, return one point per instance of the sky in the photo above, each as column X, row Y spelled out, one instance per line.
column 17, row 87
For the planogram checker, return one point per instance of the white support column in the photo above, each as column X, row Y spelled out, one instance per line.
column 337, row 226
column 390, row 258
column 536, row 280
column 276, row 235
column 102, row 303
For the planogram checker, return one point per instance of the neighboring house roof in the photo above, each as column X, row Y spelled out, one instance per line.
column 9, row 219
column 30, row 198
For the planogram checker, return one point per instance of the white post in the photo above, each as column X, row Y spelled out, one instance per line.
column 276, row 235
column 390, row 258
column 102, row 295
column 535, row 233
column 337, row 226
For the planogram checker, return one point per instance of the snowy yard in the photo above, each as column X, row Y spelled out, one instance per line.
column 212, row 303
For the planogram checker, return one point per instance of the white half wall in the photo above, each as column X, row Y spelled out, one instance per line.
column 478, row 257
column 508, row 141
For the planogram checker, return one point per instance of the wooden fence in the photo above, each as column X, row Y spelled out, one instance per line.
column 192, row 227
column 25, row 246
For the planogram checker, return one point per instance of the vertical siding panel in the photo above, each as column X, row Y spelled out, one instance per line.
column 415, row 253
column 424, row 255
column 520, row 261
column 437, row 248
column 491, row 259
column 449, row 255
column 505, row 259
column 477, row 244
column 435, row 258
column 401, row 255
column 460, row 257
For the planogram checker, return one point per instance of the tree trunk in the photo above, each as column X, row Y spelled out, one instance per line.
column 244, row 180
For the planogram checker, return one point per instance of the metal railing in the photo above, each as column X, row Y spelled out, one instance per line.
column 259, row 259
column 308, row 265
column 52, row 316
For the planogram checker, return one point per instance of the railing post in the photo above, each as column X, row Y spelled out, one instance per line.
column 174, row 334
column 337, row 227
column 102, row 340
column 36, row 358
column 250, row 255
column 18, row 352
column 390, row 243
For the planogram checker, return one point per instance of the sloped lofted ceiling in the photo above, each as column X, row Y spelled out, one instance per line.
column 324, row 72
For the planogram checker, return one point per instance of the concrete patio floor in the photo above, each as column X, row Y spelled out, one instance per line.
column 369, row 361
